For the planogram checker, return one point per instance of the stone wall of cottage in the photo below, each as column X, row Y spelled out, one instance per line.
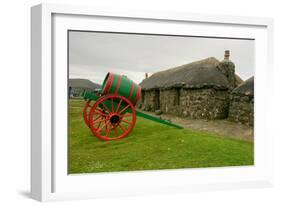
column 241, row 109
column 148, row 100
column 193, row 103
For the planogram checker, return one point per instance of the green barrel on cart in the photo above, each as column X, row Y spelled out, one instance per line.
column 121, row 85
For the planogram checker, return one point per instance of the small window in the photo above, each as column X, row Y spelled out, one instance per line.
column 157, row 99
column 142, row 96
column 177, row 96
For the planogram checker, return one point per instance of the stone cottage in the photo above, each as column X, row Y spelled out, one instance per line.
column 76, row 87
column 241, row 108
column 199, row 90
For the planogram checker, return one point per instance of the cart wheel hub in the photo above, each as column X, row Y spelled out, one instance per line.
column 114, row 119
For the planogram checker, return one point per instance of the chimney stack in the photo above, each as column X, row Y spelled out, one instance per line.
column 227, row 67
column 146, row 75
column 226, row 54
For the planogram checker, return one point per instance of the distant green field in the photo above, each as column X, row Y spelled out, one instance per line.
column 150, row 146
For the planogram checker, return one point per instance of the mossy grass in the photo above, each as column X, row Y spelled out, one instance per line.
column 150, row 146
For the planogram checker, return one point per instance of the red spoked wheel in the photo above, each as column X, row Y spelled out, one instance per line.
column 112, row 117
column 87, row 108
column 86, row 112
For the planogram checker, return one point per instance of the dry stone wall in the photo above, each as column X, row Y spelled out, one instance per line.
column 148, row 99
column 241, row 109
column 193, row 103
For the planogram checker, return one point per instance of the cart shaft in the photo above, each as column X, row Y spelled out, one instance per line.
column 95, row 97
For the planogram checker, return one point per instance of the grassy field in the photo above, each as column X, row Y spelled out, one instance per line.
column 150, row 146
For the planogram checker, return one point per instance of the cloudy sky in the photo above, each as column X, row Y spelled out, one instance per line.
column 92, row 54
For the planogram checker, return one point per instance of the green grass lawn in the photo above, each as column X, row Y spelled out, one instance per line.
column 150, row 146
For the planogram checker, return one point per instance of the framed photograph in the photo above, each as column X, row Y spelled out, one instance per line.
column 135, row 102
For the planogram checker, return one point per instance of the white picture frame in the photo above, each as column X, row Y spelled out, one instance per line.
column 49, row 178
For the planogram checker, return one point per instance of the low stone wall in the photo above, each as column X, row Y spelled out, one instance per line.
column 241, row 109
column 193, row 103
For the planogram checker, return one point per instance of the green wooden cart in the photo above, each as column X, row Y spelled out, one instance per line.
column 110, row 113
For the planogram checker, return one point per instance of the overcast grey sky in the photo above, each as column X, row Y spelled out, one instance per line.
column 92, row 54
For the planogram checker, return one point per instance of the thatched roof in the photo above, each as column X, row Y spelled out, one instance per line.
column 246, row 88
column 238, row 80
column 198, row 74
column 83, row 83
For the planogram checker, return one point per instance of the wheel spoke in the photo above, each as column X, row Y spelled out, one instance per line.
column 100, row 113
column 126, row 115
column 122, row 128
column 105, row 107
column 124, row 109
column 89, row 104
column 116, row 132
column 99, row 125
column 112, row 105
column 98, row 117
column 126, row 121
column 99, row 109
column 102, row 120
column 108, row 130
column 118, row 105
column 105, row 129
column 99, row 130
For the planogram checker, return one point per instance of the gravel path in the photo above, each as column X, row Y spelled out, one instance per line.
column 220, row 127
